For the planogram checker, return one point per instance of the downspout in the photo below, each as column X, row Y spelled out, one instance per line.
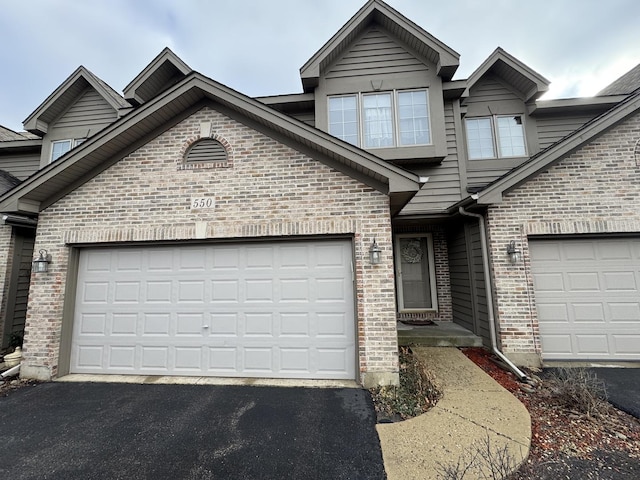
column 487, row 280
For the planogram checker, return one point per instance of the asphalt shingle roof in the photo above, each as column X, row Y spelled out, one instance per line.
column 626, row 84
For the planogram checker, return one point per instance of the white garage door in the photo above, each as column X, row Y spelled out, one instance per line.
column 588, row 297
column 280, row 310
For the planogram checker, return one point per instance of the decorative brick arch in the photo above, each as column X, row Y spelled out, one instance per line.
column 183, row 165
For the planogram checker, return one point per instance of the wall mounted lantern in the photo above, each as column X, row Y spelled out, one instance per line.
column 41, row 264
column 375, row 254
column 513, row 252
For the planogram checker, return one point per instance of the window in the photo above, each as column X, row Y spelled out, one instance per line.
column 60, row 147
column 415, row 272
column 381, row 120
column 504, row 134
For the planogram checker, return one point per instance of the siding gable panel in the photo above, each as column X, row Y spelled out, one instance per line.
column 89, row 110
column 375, row 53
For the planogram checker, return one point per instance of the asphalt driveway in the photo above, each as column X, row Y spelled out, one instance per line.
column 623, row 388
column 124, row 431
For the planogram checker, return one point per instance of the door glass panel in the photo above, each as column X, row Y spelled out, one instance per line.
column 414, row 273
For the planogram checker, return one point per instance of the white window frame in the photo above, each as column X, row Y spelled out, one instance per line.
column 495, row 136
column 432, row 273
column 73, row 142
column 394, row 112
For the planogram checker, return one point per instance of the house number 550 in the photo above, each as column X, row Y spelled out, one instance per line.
column 200, row 203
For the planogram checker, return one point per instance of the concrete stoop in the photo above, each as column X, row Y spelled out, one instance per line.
column 442, row 334
column 474, row 410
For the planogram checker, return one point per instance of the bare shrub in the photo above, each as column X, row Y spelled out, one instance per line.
column 416, row 393
column 480, row 461
column 580, row 390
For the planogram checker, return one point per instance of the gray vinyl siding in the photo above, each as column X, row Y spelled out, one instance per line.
column 375, row 53
column 468, row 290
column 490, row 90
column 443, row 188
column 89, row 110
column 490, row 96
column 19, row 279
column 308, row 117
column 20, row 166
column 553, row 128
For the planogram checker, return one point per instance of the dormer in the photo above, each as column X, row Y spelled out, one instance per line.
column 499, row 132
column 80, row 107
column 164, row 71
column 378, row 84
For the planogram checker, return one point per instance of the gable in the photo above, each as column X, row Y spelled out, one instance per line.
column 375, row 53
column 123, row 136
column 492, row 96
column 262, row 180
column 89, row 110
column 376, row 12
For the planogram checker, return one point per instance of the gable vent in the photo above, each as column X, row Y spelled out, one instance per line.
column 206, row 150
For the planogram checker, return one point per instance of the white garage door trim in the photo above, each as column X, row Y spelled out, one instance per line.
column 587, row 294
column 272, row 310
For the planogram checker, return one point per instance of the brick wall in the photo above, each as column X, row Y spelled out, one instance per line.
column 265, row 189
column 593, row 191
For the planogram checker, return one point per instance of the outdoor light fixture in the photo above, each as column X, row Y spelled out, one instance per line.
column 41, row 264
column 375, row 254
column 513, row 252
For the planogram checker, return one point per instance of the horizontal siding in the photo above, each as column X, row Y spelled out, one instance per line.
column 489, row 90
column 308, row 118
column 461, row 292
column 443, row 188
column 478, row 279
column 375, row 53
column 89, row 110
column 20, row 166
column 552, row 129
column 482, row 172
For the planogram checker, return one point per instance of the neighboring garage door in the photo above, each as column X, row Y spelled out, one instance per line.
column 588, row 297
column 279, row 310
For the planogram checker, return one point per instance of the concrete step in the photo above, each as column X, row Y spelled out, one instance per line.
column 443, row 334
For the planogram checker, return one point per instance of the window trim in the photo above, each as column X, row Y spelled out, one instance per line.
column 432, row 273
column 73, row 142
column 394, row 112
column 495, row 136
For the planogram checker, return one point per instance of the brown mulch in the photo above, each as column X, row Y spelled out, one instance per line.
column 566, row 444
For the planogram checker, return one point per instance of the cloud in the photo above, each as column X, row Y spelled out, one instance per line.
column 258, row 46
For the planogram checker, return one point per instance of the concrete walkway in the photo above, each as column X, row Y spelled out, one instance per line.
column 473, row 409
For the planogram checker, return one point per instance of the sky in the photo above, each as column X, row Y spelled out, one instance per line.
column 258, row 46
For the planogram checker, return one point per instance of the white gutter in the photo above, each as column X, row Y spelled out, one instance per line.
column 487, row 281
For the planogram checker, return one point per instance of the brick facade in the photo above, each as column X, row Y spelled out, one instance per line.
column 593, row 191
column 266, row 189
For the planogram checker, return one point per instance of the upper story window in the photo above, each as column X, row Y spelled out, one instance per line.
column 381, row 120
column 497, row 136
column 60, row 147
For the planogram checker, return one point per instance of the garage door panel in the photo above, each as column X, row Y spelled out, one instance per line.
column 624, row 312
column 599, row 292
column 626, row 345
column 620, row 280
column 251, row 310
column 594, row 344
